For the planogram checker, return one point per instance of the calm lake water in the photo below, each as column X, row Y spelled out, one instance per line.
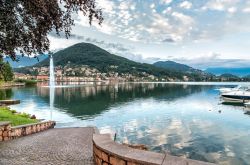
column 181, row 119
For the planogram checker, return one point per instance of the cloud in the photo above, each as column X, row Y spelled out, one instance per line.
column 156, row 21
column 232, row 9
column 213, row 60
column 165, row 1
column 168, row 40
column 186, row 5
column 246, row 10
column 133, row 21
column 219, row 5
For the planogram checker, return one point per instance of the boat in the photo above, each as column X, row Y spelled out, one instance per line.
column 238, row 96
column 247, row 104
column 237, row 88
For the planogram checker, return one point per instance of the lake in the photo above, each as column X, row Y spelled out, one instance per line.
column 187, row 120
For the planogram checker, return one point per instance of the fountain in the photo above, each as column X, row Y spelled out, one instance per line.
column 51, row 85
column 51, row 73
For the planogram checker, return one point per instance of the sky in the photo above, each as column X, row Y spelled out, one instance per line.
column 199, row 33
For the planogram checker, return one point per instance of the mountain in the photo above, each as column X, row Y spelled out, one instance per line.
column 241, row 72
column 174, row 66
column 24, row 61
column 93, row 56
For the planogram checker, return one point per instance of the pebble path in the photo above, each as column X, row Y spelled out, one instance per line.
column 58, row 146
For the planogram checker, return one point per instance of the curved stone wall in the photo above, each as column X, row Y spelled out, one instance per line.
column 107, row 152
column 7, row 132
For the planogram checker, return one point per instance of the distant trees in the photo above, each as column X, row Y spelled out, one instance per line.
column 25, row 24
column 6, row 73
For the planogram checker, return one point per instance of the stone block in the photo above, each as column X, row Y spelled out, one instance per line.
column 34, row 129
column 5, row 138
column 117, row 161
column 97, row 152
column 38, row 128
column 5, row 133
column 98, row 161
column 7, row 127
column 1, row 132
column 104, row 163
column 105, row 157
column 1, row 138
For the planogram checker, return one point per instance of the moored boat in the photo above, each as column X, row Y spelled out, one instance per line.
column 237, row 88
column 240, row 96
column 247, row 104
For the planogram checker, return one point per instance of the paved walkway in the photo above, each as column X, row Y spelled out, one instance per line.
column 58, row 146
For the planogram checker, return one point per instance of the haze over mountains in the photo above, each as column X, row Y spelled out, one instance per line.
column 241, row 72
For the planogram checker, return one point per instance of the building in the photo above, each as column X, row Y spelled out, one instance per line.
column 42, row 77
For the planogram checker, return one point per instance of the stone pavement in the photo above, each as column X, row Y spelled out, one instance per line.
column 58, row 146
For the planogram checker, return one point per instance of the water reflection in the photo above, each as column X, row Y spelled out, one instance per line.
column 6, row 93
column 51, row 100
column 90, row 100
column 184, row 120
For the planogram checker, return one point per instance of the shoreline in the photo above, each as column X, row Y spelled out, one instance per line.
column 10, row 84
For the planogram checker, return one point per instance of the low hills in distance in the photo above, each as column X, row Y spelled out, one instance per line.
column 71, row 61
column 24, row 61
column 240, row 72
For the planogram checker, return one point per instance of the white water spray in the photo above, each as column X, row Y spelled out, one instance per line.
column 51, row 73
column 51, row 85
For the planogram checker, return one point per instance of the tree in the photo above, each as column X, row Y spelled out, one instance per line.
column 25, row 24
column 6, row 72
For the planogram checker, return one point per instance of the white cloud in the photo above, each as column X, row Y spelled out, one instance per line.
column 106, row 5
column 220, row 5
column 153, row 22
column 152, row 6
column 123, row 5
column 212, row 60
column 246, row 10
column 165, row 1
column 187, row 20
column 167, row 10
column 186, row 5
column 232, row 9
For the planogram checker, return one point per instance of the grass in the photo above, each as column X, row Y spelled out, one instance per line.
column 6, row 114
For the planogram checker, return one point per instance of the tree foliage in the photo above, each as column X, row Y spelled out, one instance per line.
column 25, row 24
column 6, row 72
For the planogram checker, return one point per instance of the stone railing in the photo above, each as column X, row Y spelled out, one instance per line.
column 7, row 132
column 107, row 152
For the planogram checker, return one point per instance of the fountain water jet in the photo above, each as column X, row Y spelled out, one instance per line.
column 51, row 73
column 51, row 85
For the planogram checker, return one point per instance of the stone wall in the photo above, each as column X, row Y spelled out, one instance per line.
column 107, row 152
column 7, row 132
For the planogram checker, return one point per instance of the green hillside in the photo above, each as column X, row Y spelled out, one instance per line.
column 174, row 66
column 93, row 56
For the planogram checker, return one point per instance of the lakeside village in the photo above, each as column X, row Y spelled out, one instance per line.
column 84, row 73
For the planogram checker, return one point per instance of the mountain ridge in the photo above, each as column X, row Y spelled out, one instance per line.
column 96, row 57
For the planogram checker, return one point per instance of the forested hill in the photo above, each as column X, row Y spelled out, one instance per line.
column 174, row 66
column 93, row 56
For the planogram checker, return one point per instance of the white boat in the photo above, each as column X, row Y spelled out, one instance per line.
column 238, row 96
column 247, row 104
column 237, row 88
